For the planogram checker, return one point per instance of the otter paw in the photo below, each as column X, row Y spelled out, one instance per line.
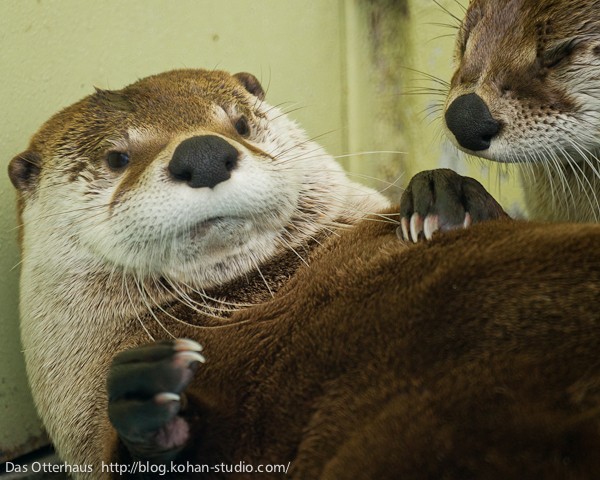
column 145, row 386
column 444, row 200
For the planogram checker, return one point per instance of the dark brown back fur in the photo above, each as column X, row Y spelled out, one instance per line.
column 473, row 356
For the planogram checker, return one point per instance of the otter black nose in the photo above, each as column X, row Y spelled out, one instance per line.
column 471, row 122
column 203, row 161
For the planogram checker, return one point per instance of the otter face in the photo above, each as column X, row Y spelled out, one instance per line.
column 187, row 174
column 527, row 84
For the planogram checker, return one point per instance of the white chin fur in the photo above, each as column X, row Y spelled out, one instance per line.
column 169, row 227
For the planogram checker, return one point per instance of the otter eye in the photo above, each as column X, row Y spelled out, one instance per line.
column 117, row 160
column 242, row 126
column 555, row 55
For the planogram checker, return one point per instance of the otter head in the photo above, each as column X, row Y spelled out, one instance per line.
column 186, row 174
column 526, row 84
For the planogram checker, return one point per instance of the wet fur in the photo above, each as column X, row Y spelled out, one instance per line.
column 536, row 64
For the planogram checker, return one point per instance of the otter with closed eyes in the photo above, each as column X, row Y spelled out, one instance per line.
column 526, row 91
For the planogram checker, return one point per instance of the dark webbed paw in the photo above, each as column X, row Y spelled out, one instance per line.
column 444, row 200
column 145, row 386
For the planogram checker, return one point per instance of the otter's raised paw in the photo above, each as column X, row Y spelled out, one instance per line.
column 444, row 200
column 145, row 386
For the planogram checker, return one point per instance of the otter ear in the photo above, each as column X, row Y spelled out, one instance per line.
column 251, row 83
column 24, row 169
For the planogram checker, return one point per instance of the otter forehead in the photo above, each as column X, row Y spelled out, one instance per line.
column 508, row 41
column 160, row 105
column 552, row 19
column 489, row 58
column 181, row 98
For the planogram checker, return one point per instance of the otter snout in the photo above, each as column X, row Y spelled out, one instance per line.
column 470, row 120
column 203, row 161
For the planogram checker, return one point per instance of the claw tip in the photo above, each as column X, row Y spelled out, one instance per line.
column 166, row 397
column 182, row 344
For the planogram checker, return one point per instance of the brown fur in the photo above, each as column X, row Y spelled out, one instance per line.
column 543, row 90
column 473, row 356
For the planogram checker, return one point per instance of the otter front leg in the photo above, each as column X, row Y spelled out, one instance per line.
column 444, row 200
column 145, row 388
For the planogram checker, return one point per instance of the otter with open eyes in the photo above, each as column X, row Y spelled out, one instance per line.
column 527, row 90
column 183, row 210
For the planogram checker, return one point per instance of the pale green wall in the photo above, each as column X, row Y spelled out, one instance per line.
column 339, row 60
column 377, row 46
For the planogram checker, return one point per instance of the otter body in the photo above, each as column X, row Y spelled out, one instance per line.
column 472, row 356
column 526, row 91
column 184, row 207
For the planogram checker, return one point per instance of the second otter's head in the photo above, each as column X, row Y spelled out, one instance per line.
column 526, row 84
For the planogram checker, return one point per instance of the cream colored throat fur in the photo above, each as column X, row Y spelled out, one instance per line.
column 535, row 65
column 107, row 249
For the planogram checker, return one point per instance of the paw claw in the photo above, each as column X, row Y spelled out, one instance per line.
column 431, row 225
column 182, row 344
column 405, row 227
column 468, row 220
column 166, row 397
column 416, row 226
column 188, row 358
